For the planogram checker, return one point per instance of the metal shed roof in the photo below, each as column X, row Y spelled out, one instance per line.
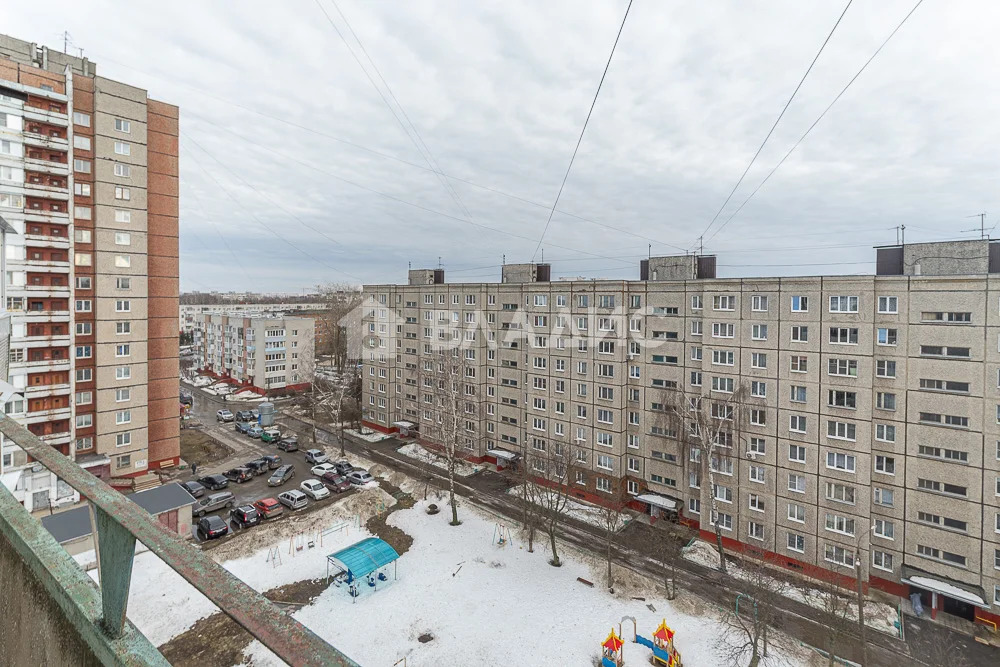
column 364, row 557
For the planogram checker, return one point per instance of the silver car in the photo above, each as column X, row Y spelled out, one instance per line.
column 214, row 502
column 293, row 500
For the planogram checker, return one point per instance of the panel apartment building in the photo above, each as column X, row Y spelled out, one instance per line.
column 874, row 401
column 89, row 179
column 262, row 353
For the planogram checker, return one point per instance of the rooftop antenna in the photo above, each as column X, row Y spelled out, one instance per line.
column 66, row 39
column 649, row 251
column 409, row 265
column 439, row 261
column 701, row 245
column 982, row 224
column 503, row 259
column 902, row 229
column 543, row 255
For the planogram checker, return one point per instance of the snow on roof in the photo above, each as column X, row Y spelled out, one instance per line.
column 404, row 424
column 945, row 588
column 502, row 454
column 364, row 557
column 659, row 501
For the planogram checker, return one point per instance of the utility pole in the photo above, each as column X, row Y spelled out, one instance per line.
column 861, row 609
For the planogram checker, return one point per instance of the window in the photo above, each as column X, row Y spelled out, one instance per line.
column 883, row 528
column 723, row 358
column 885, row 432
column 799, row 364
column 841, row 461
column 758, row 332
column 841, row 430
column 843, row 336
column 694, row 506
column 123, row 306
column 125, row 283
column 842, row 399
column 81, row 119
column 758, row 360
column 800, row 304
column 888, row 304
column 723, row 330
column 758, row 303
column 836, row 523
column 81, row 189
column 758, row 417
column 834, row 553
column 82, row 236
column 696, row 327
column 881, row 560
column 84, row 398
column 755, row 530
column 81, row 142
column 126, row 327
column 723, row 302
column 84, row 282
column 797, row 453
column 796, row 542
column 123, row 170
column 84, row 328
column 796, row 483
column 757, row 474
column 122, row 125
column 123, row 148
column 840, row 493
column 756, row 502
column 843, row 304
column 941, row 555
column 123, row 440
column 122, row 395
column 84, row 305
column 606, row 301
column 696, row 302
column 724, row 521
column 82, row 259
column 126, row 216
column 695, row 378
column 123, row 261
column 886, row 337
column 797, row 423
column 885, row 401
column 123, row 373
column 82, row 166
column 84, row 374
column 125, row 194
column 604, row 461
column 939, row 351
column 123, row 350
column 758, row 389
column 84, row 352
column 123, row 238
column 123, row 417
column 885, row 368
column 83, row 421
column 800, row 334
column 883, row 497
column 844, row 367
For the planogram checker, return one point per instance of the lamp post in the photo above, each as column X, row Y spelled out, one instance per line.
column 861, row 609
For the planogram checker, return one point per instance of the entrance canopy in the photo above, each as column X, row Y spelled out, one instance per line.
column 502, row 454
column 660, row 501
column 364, row 557
column 404, row 424
column 939, row 585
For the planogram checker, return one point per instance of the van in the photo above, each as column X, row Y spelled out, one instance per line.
column 214, row 502
column 270, row 435
column 293, row 500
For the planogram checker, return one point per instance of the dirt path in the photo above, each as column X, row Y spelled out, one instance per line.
column 378, row 524
column 201, row 448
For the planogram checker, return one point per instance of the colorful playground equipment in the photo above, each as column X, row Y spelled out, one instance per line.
column 662, row 645
column 611, row 651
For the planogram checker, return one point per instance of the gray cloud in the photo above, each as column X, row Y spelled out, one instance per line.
column 499, row 91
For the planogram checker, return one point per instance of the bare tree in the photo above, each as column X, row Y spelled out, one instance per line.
column 664, row 544
column 710, row 425
column 613, row 516
column 743, row 640
column 517, row 475
column 837, row 605
column 552, row 496
column 339, row 300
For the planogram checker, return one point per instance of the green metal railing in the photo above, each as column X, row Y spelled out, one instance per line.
column 99, row 615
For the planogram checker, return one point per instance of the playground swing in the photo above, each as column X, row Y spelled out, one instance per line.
column 273, row 557
column 501, row 535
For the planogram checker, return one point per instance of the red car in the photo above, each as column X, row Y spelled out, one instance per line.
column 269, row 508
column 335, row 482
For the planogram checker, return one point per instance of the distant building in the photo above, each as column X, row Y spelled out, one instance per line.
column 258, row 352
column 872, row 436
column 190, row 314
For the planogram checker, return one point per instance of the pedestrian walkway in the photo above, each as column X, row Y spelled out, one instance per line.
column 983, row 633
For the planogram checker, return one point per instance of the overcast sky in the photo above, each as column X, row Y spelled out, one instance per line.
column 294, row 171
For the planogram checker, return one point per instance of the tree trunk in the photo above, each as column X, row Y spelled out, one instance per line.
column 552, row 540
column 755, row 658
column 451, row 485
column 610, row 580
column 531, row 538
column 708, row 452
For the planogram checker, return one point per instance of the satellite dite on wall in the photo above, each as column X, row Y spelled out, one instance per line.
column 7, row 390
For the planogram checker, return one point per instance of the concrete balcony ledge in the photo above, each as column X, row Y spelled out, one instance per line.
column 45, row 390
column 45, row 141
column 46, row 116
column 46, row 166
column 39, row 241
column 41, row 416
column 46, row 191
column 31, row 215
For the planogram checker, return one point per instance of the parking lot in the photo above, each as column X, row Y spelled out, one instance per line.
column 247, row 449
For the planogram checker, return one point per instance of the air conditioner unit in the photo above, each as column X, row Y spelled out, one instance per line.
column 752, row 455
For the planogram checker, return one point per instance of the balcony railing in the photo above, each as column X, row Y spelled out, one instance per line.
column 98, row 615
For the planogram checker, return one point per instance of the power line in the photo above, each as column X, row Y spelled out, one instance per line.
column 582, row 131
column 377, row 153
column 816, row 122
column 777, row 120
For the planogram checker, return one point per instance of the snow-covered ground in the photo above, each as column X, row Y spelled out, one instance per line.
column 585, row 512
column 375, row 436
column 415, row 451
column 878, row 615
column 202, row 381
column 490, row 605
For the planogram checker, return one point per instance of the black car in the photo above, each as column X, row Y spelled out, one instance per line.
column 194, row 488
column 289, row 444
column 186, row 398
column 238, row 475
column 212, row 528
column 214, row 482
column 257, row 466
column 343, row 467
column 244, row 516
column 273, row 461
column 281, row 475
column 245, row 416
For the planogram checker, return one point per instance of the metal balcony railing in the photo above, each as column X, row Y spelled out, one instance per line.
column 99, row 614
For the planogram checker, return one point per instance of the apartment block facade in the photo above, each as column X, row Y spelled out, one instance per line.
column 191, row 315
column 259, row 353
column 89, row 179
column 873, row 402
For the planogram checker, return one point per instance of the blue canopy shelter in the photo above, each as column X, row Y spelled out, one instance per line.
column 361, row 559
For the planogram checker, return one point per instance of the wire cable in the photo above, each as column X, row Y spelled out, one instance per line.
column 816, row 122
column 777, row 120
column 582, row 131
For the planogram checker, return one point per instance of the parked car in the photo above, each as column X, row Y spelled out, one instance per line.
column 269, row 508
column 244, row 416
column 239, row 475
column 273, row 461
column 224, row 416
column 214, row 482
column 255, row 431
column 293, row 500
column 194, row 488
column 316, row 456
column 215, row 501
column 359, row 477
column 257, row 466
column 322, row 469
column 270, row 435
column 212, row 528
column 314, row 489
column 242, row 427
column 336, row 483
column 244, row 516
column 343, row 467
column 281, row 475
column 289, row 445
column 255, row 414
column 186, row 398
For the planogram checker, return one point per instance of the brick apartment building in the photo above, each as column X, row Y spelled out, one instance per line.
column 873, row 401
column 89, row 179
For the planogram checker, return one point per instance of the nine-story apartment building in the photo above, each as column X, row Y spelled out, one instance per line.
column 872, row 403
column 88, row 178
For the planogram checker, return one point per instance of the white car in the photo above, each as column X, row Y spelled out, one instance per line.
column 314, row 489
column 316, row 456
column 359, row 477
column 322, row 469
column 293, row 499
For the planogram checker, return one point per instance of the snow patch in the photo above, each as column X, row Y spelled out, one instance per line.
column 576, row 509
column 415, row 451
